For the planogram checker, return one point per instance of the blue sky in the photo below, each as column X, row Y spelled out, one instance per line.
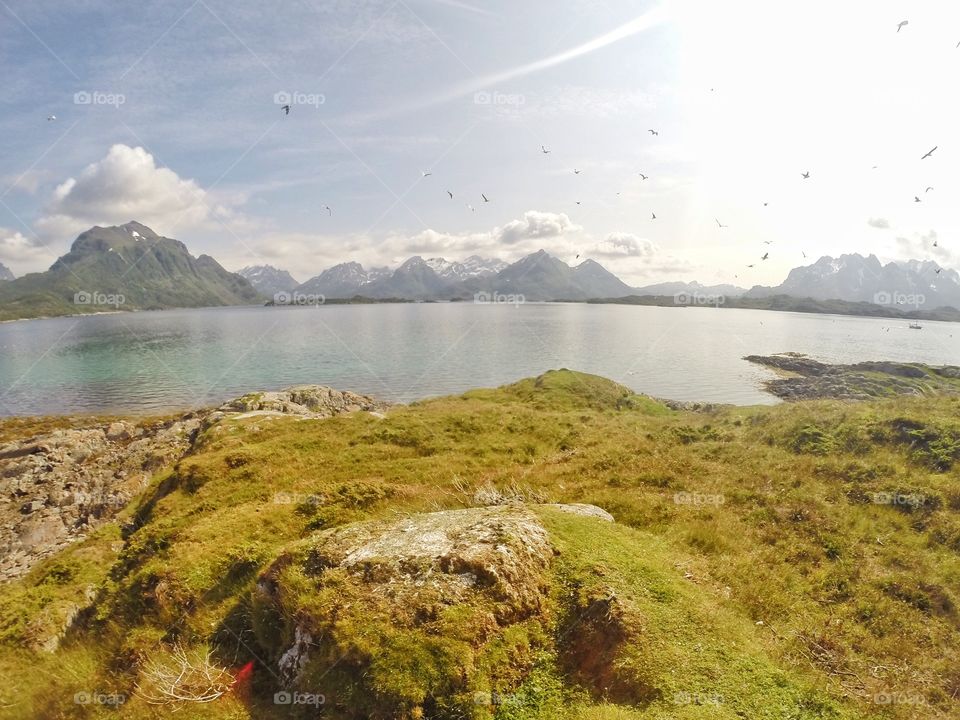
column 182, row 131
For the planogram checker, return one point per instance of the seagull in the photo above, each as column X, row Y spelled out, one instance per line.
column 720, row 223
column 426, row 173
column 642, row 176
column 51, row 118
column 749, row 265
column 450, row 194
column 937, row 271
column 545, row 151
column 765, row 204
column 904, row 22
column 654, row 216
column 286, row 109
column 768, row 242
column 935, row 243
column 929, row 153
column 653, row 132
column 329, row 211
column 803, row 253
column 928, row 189
column 577, row 202
column 577, row 257
column 576, row 172
column 806, row 175
column 916, row 199
column 484, row 197
column 765, row 256
column 472, row 208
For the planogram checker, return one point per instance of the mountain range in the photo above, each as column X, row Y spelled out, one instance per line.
column 127, row 267
column 5, row 273
column 130, row 267
column 268, row 280
column 855, row 278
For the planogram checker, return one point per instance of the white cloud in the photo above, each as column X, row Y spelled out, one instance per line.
column 879, row 223
column 626, row 245
column 125, row 185
column 20, row 254
column 535, row 225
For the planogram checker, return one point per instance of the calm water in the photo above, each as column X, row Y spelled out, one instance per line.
column 147, row 362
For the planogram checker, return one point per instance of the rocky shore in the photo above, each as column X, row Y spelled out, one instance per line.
column 56, row 487
column 803, row 378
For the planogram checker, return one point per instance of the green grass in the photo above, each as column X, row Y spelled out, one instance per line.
column 754, row 570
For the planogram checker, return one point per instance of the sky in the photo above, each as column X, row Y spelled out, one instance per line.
column 171, row 114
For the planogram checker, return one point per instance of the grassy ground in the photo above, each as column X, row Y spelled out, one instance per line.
column 798, row 561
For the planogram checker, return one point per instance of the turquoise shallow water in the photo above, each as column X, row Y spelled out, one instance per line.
column 177, row 359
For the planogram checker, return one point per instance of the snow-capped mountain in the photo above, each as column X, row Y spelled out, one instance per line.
column 268, row 280
column 865, row 279
column 343, row 280
column 5, row 273
column 473, row 267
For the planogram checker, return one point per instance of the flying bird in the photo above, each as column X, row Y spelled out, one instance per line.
column 51, row 118
column 426, row 173
column 545, row 151
column 935, row 243
column 577, row 202
column 472, row 208
column 653, row 132
column 806, row 175
column 576, row 172
column 937, row 271
column 765, row 204
column 916, row 199
column 484, row 197
column 329, row 211
column 450, row 194
column 749, row 265
column 654, row 216
column 902, row 23
column 928, row 189
column 720, row 223
column 765, row 256
column 642, row 176
column 929, row 153
column 286, row 109
column 768, row 242
column 803, row 253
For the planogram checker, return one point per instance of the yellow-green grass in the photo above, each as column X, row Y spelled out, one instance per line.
column 760, row 522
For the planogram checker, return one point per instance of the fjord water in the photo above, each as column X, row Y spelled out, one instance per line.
column 136, row 363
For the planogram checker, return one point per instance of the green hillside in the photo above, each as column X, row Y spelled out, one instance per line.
column 110, row 269
column 799, row 561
